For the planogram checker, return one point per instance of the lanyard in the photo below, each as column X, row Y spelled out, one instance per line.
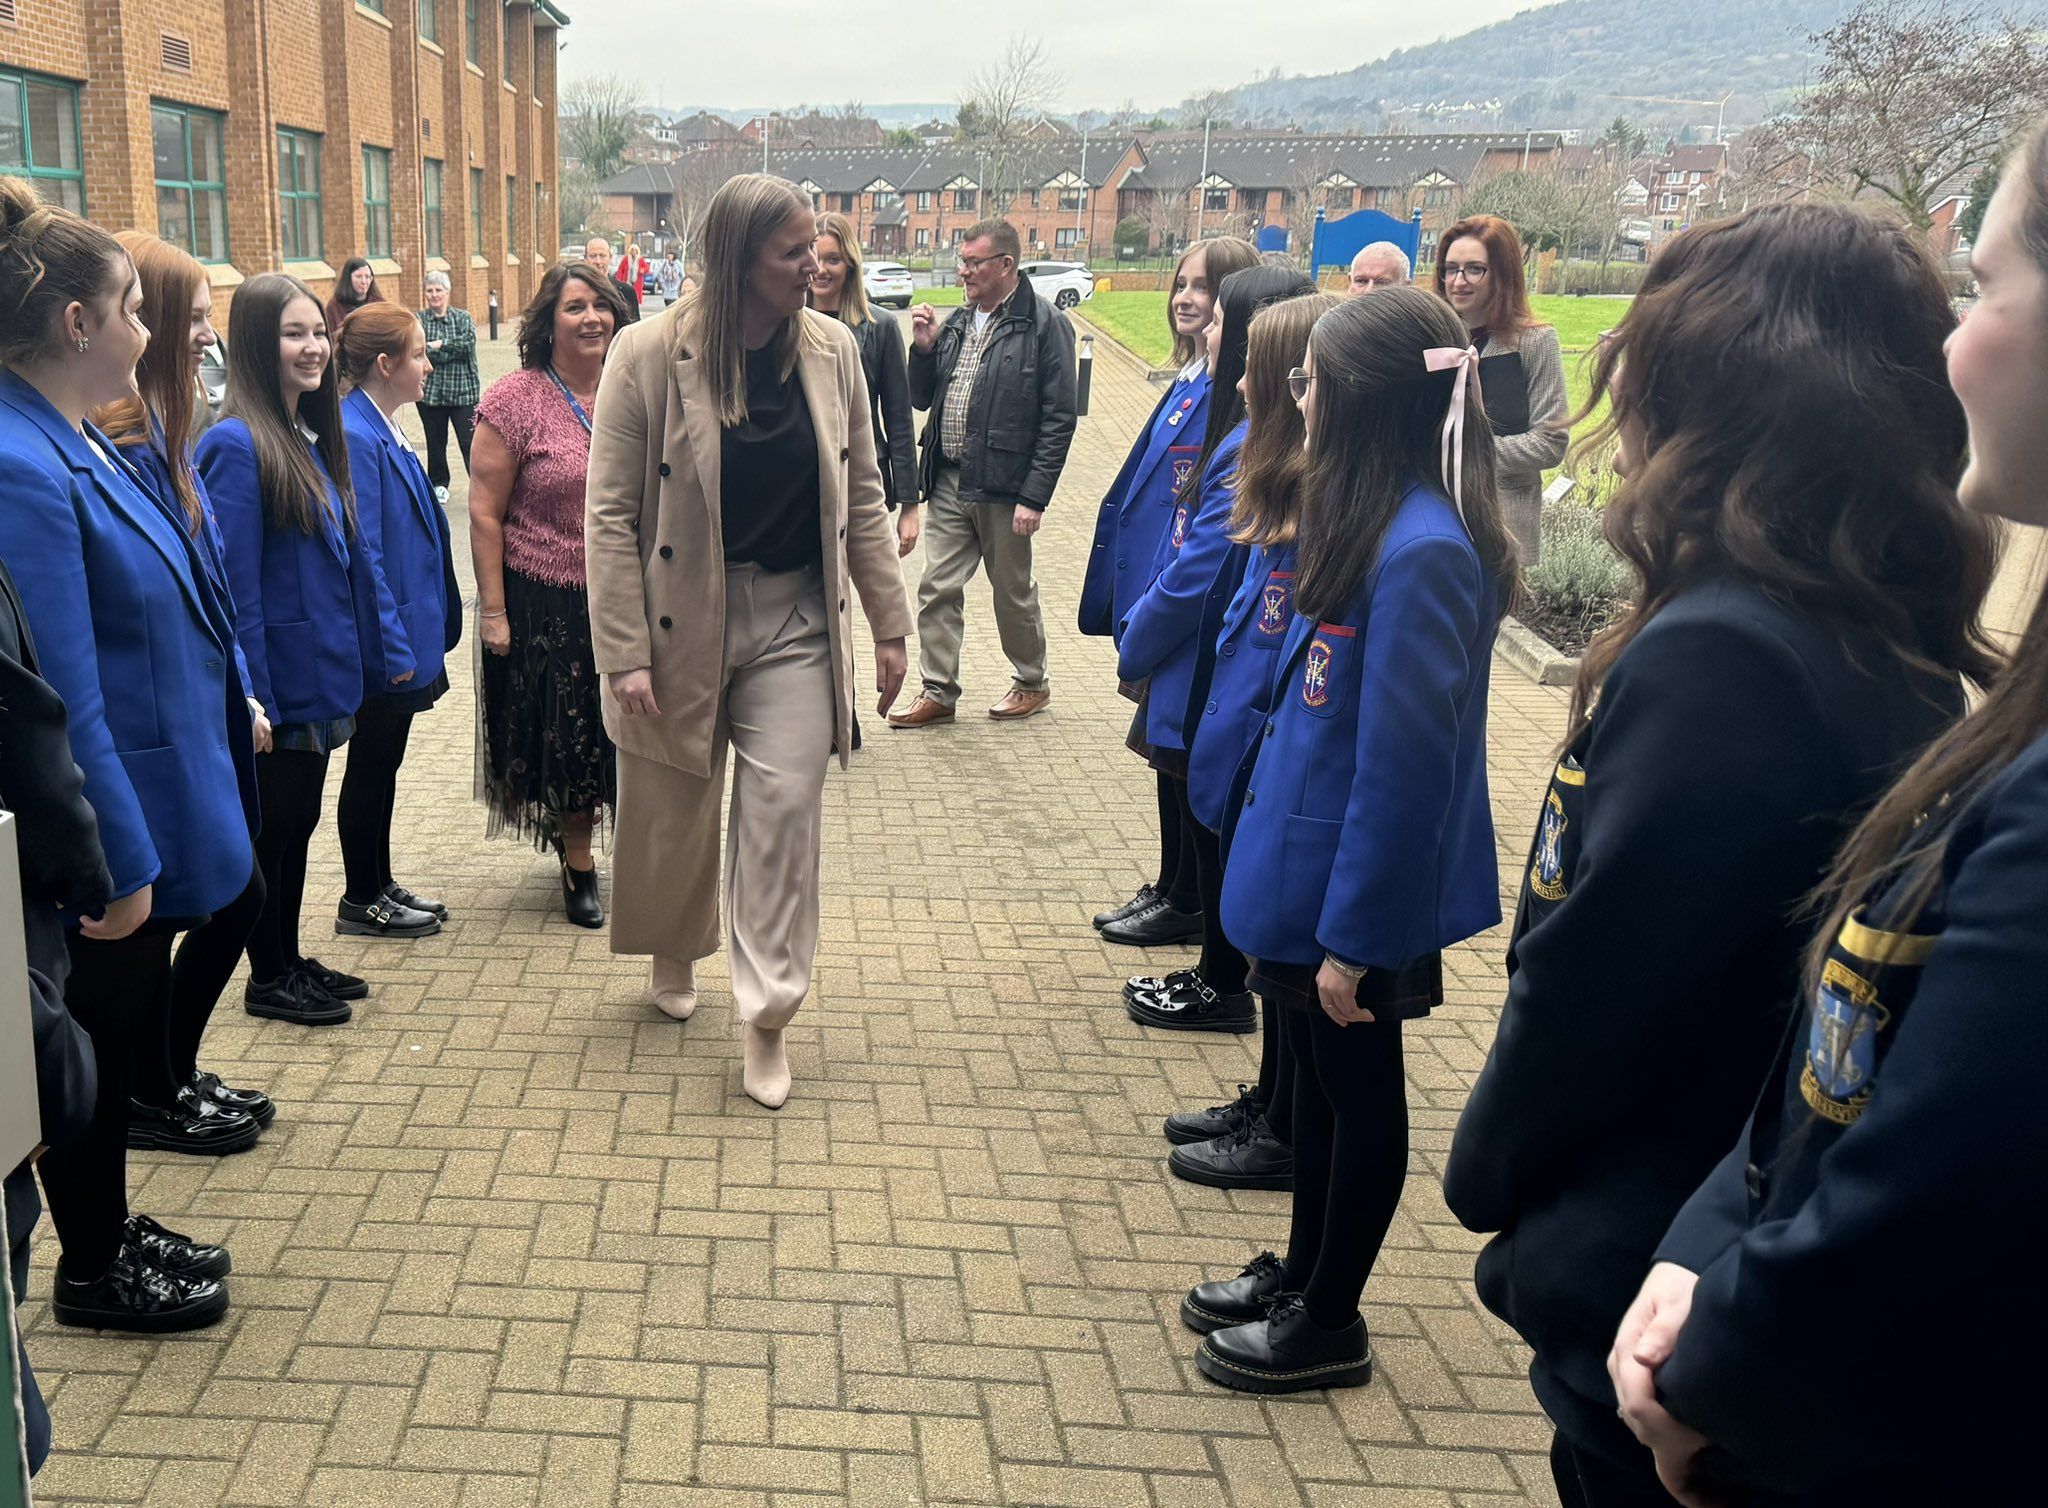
column 576, row 408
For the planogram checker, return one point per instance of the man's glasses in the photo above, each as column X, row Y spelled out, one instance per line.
column 1471, row 272
column 1297, row 383
column 975, row 264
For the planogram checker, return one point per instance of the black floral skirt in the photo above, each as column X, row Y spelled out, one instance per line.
column 542, row 752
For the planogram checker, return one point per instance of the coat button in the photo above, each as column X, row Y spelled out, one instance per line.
column 1210, row 709
column 845, row 454
column 666, row 621
column 667, row 551
column 1753, row 1180
column 1227, row 650
column 1121, row 562
column 664, row 468
column 1248, row 795
column 1269, row 729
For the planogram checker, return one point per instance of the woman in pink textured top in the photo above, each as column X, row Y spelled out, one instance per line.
column 545, row 763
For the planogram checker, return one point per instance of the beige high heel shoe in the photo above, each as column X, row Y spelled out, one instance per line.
column 674, row 991
column 765, row 1072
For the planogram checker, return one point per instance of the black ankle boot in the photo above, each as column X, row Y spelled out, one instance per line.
column 579, row 896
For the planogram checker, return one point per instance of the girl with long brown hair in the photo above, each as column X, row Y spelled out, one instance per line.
column 1882, row 1207
column 1807, row 589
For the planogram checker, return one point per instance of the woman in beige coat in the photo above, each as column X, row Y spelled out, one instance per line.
column 733, row 498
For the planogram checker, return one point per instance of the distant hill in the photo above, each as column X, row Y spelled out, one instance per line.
column 1562, row 65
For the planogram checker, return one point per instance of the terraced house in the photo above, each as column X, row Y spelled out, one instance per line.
column 294, row 134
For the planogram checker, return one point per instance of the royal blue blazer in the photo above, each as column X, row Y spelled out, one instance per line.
column 403, row 534
column 147, row 457
column 295, row 594
column 1161, row 637
column 1139, row 504
column 1247, row 646
column 132, row 637
column 1364, row 830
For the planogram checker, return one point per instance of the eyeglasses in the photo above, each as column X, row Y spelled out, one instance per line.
column 1298, row 381
column 1471, row 272
column 975, row 264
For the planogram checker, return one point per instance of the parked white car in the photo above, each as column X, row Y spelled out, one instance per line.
column 887, row 283
column 1065, row 284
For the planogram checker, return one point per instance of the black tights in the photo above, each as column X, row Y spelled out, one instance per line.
column 290, row 784
column 1276, row 1072
column 206, row 959
column 118, row 991
column 1221, row 964
column 1350, row 1157
column 1177, row 880
column 369, row 793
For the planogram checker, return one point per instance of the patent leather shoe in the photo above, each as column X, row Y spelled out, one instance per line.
column 172, row 1251
column 192, row 1123
column 251, row 1102
column 381, row 916
column 400, row 896
column 1198, row 1010
column 1155, row 926
column 1159, row 984
column 133, row 1296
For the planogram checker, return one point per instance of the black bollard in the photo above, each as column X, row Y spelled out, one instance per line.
column 1085, row 375
column 494, row 314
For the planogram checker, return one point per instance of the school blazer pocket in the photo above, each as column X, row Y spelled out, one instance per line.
column 1322, row 687
column 1308, row 852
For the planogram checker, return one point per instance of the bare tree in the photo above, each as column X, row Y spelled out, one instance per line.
column 1314, row 164
column 698, row 174
column 1912, row 96
column 1172, row 179
column 1217, row 107
column 1003, row 102
column 601, row 122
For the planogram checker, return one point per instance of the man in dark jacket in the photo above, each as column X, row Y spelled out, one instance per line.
column 998, row 382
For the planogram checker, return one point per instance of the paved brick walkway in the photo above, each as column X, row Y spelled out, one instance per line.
column 516, row 1240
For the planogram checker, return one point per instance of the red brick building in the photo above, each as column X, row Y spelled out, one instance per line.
column 294, row 134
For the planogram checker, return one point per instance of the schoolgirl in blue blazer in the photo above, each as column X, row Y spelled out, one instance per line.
column 403, row 536
column 127, row 633
column 276, row 468
column 1134, row 518
column 1362, row 845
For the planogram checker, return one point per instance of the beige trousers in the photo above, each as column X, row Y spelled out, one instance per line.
column 958, row 538
column 775, row 716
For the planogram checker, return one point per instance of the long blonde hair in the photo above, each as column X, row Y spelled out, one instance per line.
column 741, row 217
column 853, row 293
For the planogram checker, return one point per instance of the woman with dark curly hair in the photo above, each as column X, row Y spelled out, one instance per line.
column 545, row 764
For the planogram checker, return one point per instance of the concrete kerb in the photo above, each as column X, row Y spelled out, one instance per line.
column 1104, row 341
column 1535, row 656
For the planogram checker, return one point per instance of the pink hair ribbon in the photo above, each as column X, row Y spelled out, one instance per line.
column 1465, row 361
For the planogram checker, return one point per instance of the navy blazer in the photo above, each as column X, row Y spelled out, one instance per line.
column 128, row 633
column 1365, row 831
column 1254, row 627
column 1136, row 509
column 295, row 594
column 403, row 534
column 1160, row 638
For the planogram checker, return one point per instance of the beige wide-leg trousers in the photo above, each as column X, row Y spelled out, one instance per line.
column 775, row 716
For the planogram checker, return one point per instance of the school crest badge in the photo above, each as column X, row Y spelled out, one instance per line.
column 1182, row 470
column 1315, row 675
column 1273, row 609
column 1180, row 526
column 1841, row 1045
column 1546, row 874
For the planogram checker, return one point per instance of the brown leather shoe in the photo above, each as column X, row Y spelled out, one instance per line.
column 921, row 713
column 1019, row 704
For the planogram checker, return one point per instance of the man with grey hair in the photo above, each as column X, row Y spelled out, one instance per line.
column 1380, row 265
column 453, row 386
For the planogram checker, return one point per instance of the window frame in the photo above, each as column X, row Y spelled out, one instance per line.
column 298, row 198
column 433, row 239
column 376, row 156
column 966, row 201
column 472, row 27
column 511, row 214
column 427, row 21
column 476, row 212
column 24, row 79
column 192, row 187
column 505, row 40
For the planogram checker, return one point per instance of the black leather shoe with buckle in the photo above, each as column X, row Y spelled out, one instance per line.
column 1187, row 1126
column 251, row 1102
column 1146, row 895
column 1199, row 1010
column 131, row 1295
column 172, row 1252
column 1251, row 1157
column 398, row 895
column 192, row 1123
column 1155, row 926
column 1160, row 984
column 1286, row 1352
column 383, row 917
column 1233, row 1301
column 295, row 998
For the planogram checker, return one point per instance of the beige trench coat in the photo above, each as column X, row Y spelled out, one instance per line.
column 654, row 542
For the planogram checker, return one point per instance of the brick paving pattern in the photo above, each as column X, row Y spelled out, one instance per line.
column 515, row 1239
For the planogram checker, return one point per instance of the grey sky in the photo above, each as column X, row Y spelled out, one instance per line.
column 743, row 54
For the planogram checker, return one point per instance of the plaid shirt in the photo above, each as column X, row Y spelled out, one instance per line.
column 953, row 421
column 453, row 383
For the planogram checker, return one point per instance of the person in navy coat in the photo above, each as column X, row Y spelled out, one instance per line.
column 1362, row 845
column 276, row 468
column 127, row 633
column 403, row 537
column 177, row 1105
column 1845, row 1311
column 1133, row 519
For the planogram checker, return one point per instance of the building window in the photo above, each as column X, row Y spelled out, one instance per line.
column 430, row 21
column 505, row 40
column 376, row 201
column 1073, row 199
column 959, row 235
column 924, row 199
column 1668, row 203
column 469, row 34
column 1066, row 238
column 964, row 200
column 376, row 6
column 298, row 193
column 540, row 219
column 1437, row 198
column 430, row 202
column 924, row 240
column 39, row 136
column 476, row 211
column 511, row 215
column 191, row 180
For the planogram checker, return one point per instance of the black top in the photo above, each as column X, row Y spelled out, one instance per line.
column 1656, row 946
column 768, row 482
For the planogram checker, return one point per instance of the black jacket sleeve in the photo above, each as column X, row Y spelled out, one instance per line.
column 1055, row 408
column 924, row 369
column 897, row 440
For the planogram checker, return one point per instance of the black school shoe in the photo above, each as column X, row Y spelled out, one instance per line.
column 193, row 1124
column 398, row 895
column 1155, row 926
column 296, row 998
column 579, row 897
column 383, row 917
column 1159, row 984
column 1251, row 1157
column 1234, row 1301
column 1286, row 1352
column 172, row 1252
column 1146, row 895
column 251, row 1102
column 1185, row 1127
column 131, row 1295
column 1200, row 1009
column 341, row 986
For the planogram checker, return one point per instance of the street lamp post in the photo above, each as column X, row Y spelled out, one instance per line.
column 1202, row 188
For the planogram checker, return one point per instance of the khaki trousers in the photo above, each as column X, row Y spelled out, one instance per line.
column 958, row 538
column 775, row 716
